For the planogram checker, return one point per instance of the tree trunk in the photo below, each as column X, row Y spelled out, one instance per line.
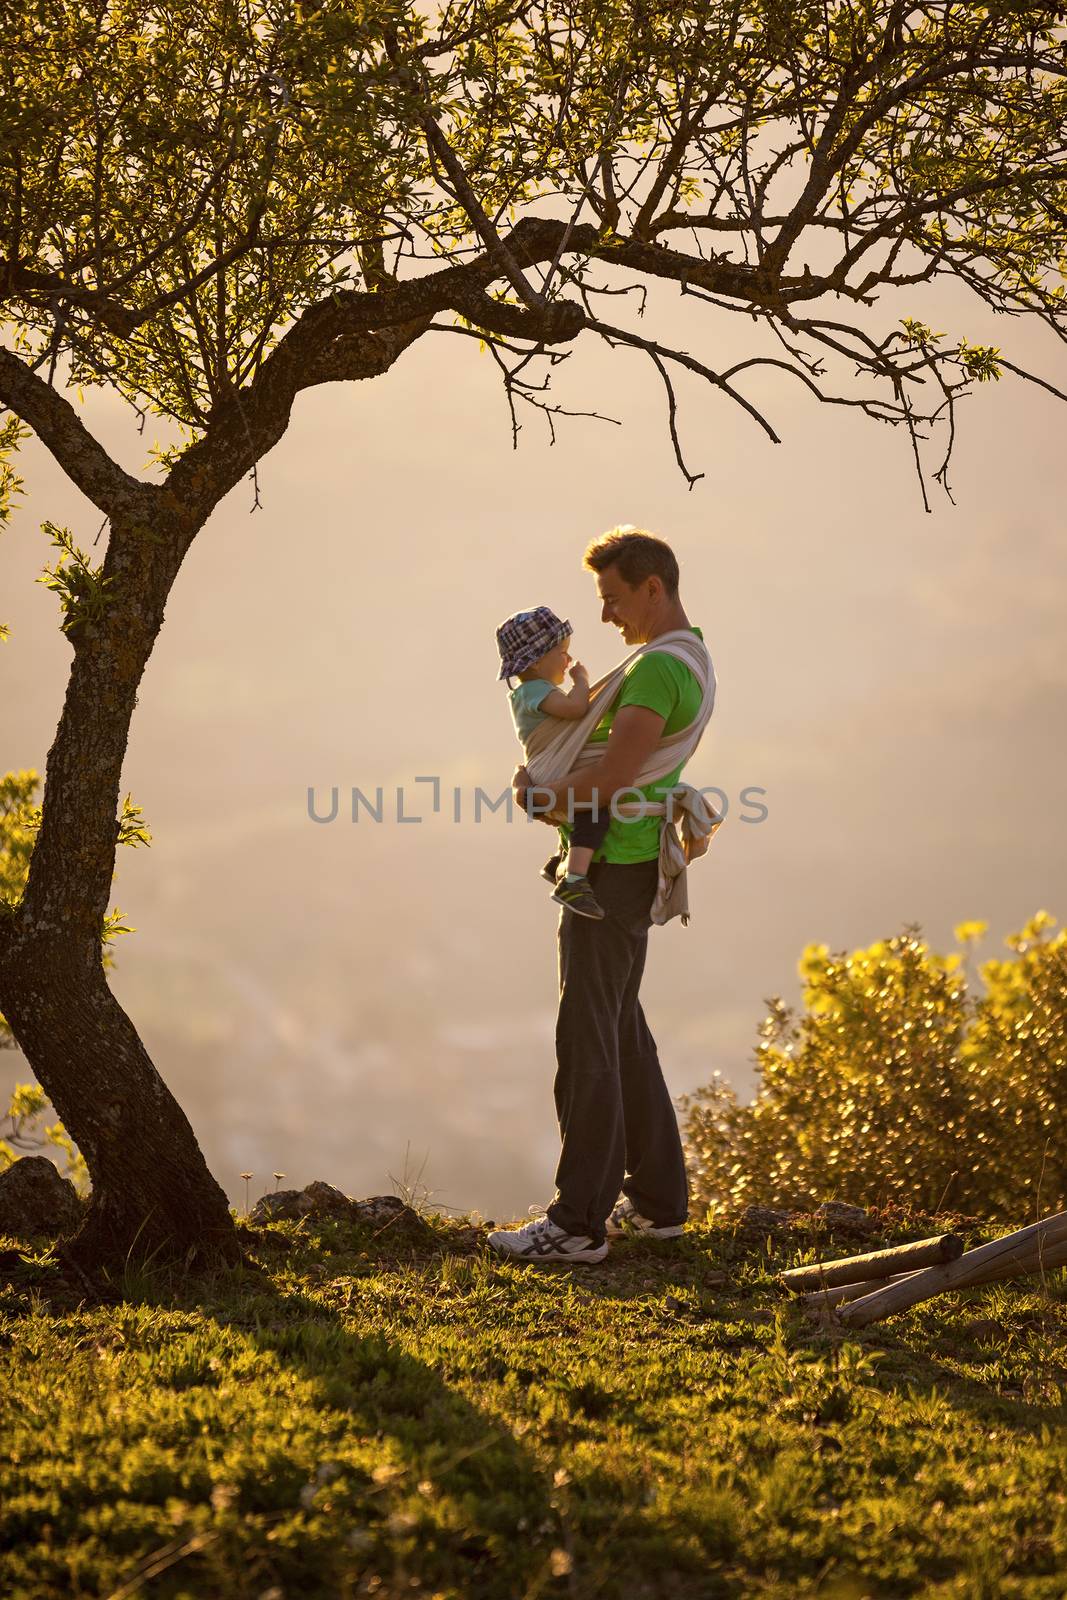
column 152, row 1193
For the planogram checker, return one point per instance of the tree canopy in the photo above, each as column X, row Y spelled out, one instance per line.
column 213, row 207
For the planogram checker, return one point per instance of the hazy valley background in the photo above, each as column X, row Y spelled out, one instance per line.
column 348, row 1001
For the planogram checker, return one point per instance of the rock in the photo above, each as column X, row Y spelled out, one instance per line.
column 391, row 1217
column 277, row 1207
column 840, row 1215
column 34, row 1199
column 322, row 1200
column 760, row 1218
column 289, row 1205
column 382, row 1208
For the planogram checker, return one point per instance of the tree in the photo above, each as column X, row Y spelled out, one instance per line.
column 211, row 208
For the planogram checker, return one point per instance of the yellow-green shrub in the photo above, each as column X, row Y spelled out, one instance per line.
column 21, row 1134
column 896, row 1081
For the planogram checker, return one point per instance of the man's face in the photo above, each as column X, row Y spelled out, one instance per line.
column 625, row 608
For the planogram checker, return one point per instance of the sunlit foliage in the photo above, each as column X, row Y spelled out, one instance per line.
column 180, row 184
column 897, row 1080
column 22, row 1133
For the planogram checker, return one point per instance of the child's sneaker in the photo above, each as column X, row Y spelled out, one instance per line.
column 577, row 895
column 550, row 870
column 627, row 1219
column 543, row 1240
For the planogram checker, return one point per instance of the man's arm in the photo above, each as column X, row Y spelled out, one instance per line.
column 635, row 733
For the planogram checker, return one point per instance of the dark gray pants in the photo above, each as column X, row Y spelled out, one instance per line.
column 616, row 1120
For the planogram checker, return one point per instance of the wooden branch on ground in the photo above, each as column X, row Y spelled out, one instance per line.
column 827, row 1299
column 1024, row 1250
column 1041, row 1260
column 876, row 1264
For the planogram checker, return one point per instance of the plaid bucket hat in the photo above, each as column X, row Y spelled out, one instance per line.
column 526, row 637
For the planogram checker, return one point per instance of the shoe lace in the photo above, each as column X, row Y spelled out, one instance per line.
column 542, row 1225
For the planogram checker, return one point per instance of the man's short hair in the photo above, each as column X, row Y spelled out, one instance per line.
column 637, row 554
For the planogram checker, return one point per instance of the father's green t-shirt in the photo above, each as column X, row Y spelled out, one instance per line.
column 665, row 685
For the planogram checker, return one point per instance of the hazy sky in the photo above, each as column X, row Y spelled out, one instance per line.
column 344, row 1000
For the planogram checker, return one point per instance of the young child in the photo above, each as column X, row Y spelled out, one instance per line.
column 535, row 647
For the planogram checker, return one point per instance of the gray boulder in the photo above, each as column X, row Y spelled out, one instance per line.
column 762, row 1219
column 277, row 1207
column 840, row 1215
column 289, row 1205
column 322, row 1200
column 35, row 1199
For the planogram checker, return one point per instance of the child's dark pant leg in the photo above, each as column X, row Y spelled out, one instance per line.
column 588, row 832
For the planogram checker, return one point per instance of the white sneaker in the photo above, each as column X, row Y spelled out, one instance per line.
column 542, row 1240
column 627, row 1219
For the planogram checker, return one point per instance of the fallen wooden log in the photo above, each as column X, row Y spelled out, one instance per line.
column 1040, row 1261
column 1045, row 1259
column 839, row 1294
column 1024, row 1249
column 875, row 1264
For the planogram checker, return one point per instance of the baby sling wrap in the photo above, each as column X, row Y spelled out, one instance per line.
column 556, row 747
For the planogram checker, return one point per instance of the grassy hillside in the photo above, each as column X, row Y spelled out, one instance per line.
column 396, row 1414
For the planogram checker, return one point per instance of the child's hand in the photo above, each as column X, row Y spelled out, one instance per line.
column 578, row 673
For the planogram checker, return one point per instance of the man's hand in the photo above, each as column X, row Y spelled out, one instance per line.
column 520, row 782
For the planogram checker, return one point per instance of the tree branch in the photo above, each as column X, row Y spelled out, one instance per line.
column 57, row 424
column 487, row 233
column 683, row 359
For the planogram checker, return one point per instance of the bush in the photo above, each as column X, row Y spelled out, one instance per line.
column 895, row 1082
column 21, row 1133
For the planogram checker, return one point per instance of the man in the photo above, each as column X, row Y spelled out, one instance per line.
column 617, row 1123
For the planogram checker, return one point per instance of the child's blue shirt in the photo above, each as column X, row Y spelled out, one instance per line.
column 525, row 701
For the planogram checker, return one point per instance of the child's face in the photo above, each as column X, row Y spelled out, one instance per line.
column 554, row 664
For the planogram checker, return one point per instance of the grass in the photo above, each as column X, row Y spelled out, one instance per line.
column 397, row 1414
